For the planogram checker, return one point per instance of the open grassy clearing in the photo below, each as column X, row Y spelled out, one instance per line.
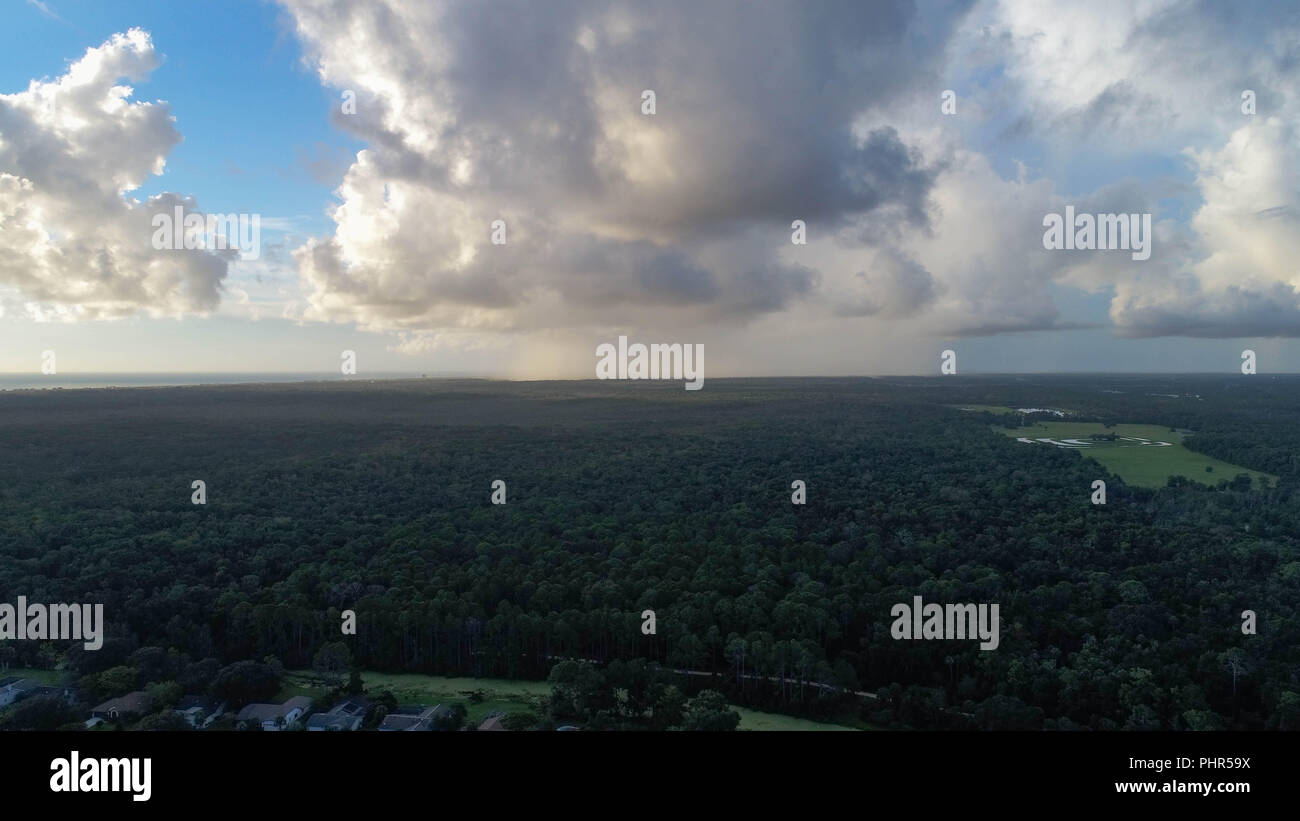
column 1005, row 409
column 51, row 677
column 1142, row 455
column 499, row 695
column 755, row 720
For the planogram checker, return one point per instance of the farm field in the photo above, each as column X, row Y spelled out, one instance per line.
column 1143, row 455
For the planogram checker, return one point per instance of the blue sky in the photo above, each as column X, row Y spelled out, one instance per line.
column 924, row 228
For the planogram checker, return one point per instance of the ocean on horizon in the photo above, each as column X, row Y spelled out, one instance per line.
column 37, row 381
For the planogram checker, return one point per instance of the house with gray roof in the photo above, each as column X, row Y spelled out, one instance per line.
column 275, row 716
column 14, row 688
column 411, row 719
column 345, row 716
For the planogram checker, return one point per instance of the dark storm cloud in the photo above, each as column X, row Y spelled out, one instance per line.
column 1273, row 311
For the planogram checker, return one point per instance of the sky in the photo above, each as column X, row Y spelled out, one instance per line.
column 481, row 188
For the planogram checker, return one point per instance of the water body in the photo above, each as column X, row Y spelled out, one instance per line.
column 27, row 381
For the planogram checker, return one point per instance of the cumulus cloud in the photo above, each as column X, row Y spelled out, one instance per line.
column 1136, row 76
column 71, row 245
column 1180, row 308
column 1132, row 85
column 1240, row 279
column 531, row 113
column 478, row 112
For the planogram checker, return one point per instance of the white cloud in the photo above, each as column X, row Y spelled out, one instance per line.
column 43, row 9
column 70, row 243
column 1241, row 279
column 1133, row 83
column 473, row 112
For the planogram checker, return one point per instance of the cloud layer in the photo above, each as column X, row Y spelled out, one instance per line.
column 532, row 114
column 823, row 113
column 765, row 113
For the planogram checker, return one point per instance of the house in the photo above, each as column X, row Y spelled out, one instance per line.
column 14, row 688
column 131, row 704
column 199, row 711
column 275, row 716
column 346, row 715
column 411, row 719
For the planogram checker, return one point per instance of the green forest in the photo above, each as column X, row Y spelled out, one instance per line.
column 375, row 497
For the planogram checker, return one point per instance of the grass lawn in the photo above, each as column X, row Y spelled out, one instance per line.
column 447, row 685
column 1143, row 465
column 755, row 720
column 995, row 408
column 43, row 676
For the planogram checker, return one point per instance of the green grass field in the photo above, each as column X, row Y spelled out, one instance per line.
column 1136, row 463
column 995, row 408
column 43, row 676
column 755, row 720
column 408, row 688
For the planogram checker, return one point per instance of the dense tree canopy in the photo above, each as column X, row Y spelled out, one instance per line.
column 621, row 498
